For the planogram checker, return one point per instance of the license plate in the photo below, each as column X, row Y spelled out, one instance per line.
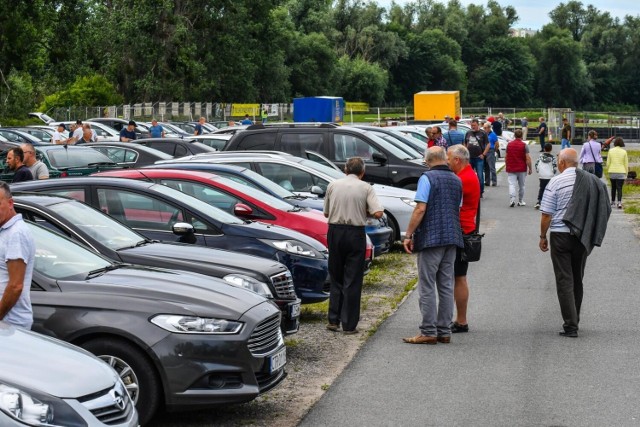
column 294, row 310
column 278, row 360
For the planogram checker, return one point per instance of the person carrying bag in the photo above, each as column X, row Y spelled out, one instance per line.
column 473, row 242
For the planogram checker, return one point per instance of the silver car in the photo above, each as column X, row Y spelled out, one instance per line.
column 46, row 382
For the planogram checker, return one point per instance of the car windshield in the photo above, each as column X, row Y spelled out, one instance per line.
column 101, row 227
column 333, row 173
column 256, row 194
column 401, row 144
column 389, row 147
column 192, row 203
column 64, row 158
column 266, row 183
column 59, row 258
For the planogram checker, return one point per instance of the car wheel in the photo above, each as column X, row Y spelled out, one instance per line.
column 135, row 370
column 395, row 235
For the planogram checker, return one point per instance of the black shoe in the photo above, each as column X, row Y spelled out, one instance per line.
column 457, row 328
column 568, row 334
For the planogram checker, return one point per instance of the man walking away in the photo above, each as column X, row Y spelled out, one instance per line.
column 517, row 163
column 454, row 136
column 575, row 208
column 458, row 159
column 17, row 252
column 477, row 143
column 347, row 204
column 38, row 169
column 546, row 167
column 435, row 227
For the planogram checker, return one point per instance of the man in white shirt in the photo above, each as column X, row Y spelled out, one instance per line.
column 58, row 137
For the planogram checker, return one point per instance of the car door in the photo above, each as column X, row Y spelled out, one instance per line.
column 346, row 145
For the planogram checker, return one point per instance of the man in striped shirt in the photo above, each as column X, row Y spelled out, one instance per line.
column 568, row 255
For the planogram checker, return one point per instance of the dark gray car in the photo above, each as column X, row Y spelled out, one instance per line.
column 176, row 338
column 46, row 382
column 104, row 235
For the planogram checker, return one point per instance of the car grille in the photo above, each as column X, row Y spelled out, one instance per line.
column 111, row 406
column 266, row 337
column 284, row 285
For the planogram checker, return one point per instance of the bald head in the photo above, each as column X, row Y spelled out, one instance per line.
column 568, row 158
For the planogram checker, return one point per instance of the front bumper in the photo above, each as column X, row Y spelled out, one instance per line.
column 309, row 276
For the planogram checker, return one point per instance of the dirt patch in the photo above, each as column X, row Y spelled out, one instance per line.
column 315, row 356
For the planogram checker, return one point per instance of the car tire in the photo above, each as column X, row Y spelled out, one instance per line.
column 140, row 377
column 395, row 234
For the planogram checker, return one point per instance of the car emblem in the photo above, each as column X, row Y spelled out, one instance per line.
column 118, row 399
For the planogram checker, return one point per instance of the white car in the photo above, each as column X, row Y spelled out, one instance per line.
column 213, row 140
column 311, row 178
column 103, row 132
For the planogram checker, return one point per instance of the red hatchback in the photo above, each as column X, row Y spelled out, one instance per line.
column 238, row 199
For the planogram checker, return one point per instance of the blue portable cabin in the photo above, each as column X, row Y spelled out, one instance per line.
column 318, row 109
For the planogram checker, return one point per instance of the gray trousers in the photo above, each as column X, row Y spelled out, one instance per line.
column 435, row 272
column 569, row 258
column 516, row 178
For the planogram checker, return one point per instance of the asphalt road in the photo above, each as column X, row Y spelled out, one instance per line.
column 512, row 368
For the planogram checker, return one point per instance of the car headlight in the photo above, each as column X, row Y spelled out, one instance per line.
column 37, row 409
column 246, row 282
column 196, row 325
column 294, row 247
column 409, row 201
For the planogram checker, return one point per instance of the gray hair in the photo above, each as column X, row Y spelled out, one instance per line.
column 354, row 165
column 436, row 154
column 459, row 151
column 5, row 189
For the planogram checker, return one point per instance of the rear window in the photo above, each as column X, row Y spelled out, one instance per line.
column 257, row 141
column 78, row 158
column 298, row 143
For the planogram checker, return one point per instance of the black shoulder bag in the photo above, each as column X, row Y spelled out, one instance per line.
column 473, row 242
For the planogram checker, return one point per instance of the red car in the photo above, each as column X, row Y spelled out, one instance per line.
column 238, row 199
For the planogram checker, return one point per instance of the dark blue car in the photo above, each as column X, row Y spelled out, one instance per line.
column 162, row 213
column 378, row 230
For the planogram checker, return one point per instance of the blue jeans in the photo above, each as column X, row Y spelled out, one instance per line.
column 478, row 166
column 565, row 144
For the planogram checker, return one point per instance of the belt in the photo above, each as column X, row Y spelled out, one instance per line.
column 345, row 226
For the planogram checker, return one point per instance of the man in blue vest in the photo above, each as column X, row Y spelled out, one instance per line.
column 434, row 232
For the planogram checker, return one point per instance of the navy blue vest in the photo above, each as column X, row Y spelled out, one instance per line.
column 440, row 225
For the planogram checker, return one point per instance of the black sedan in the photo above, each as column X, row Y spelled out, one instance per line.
column 104, row 235
column 178, row 338
column 176, row 147
column 159, row 212
column 129, row 155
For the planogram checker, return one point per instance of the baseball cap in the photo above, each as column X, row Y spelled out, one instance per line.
column 132, row 123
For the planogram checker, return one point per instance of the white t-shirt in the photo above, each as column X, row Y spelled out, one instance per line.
column 57, row 136
column 77, row 134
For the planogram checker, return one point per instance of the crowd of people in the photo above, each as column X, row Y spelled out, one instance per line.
column 572, row 200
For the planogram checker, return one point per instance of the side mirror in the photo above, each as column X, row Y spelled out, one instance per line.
column 182, row 229
column 242, row 211
column 379, row 158
column 317, row 190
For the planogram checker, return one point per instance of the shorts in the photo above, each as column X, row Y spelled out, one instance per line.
column 460, row 267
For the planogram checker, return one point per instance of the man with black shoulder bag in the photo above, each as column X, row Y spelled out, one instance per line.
column 458, row 159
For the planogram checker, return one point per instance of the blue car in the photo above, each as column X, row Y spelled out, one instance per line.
column 378, row 231
column 161, row 213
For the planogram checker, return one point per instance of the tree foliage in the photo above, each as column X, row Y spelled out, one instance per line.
column 51, row 51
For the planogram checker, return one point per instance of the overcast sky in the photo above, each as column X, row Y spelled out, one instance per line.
column 534, row 14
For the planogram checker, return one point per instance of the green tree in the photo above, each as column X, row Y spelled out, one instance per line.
column 360, row 80
column 93, row 90
column 16, row 95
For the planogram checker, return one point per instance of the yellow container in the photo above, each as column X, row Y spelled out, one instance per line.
column 435, row 105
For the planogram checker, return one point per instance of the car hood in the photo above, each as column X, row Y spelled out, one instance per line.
column 385, row 190
column 209, row 261
column 155, row 290
column 44, row 364
column 260, row 230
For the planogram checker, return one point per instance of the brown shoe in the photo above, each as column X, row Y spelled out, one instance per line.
column 444, row 339
column 421, row 339
column 332, row 327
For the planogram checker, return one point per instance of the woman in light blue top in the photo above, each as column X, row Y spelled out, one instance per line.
column 590, row 153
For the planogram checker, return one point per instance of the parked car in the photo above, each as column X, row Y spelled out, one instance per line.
column 385, row 162
column 42, row 116
column 19, row 136
column 47, row 382
column 402, row 141
column 163, row 213
column 106, row 236
column 174, row 131
column 230, row 130
column 142, row 131
column 176, row 147
column 213, row 140
column 44, row 135
column 175, row 338
column 377, row 230
column 311, row 178
column 64, row 161
column 129, row 155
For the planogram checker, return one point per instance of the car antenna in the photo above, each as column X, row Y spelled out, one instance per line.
column 146, row 177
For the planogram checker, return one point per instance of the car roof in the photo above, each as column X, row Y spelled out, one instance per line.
column 40, row 199
column 46, row 183
column 139, row 147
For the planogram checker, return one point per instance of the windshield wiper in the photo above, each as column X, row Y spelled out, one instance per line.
column 101, row 164
column 295, row 196
column 101, row 271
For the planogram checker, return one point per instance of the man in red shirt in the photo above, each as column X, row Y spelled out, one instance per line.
column 458, row 158
column 517, row 163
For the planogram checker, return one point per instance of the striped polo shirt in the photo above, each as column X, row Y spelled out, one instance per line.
column 556, row 199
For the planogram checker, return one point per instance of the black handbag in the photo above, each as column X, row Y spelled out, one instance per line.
column 473, row 242
column 597, row 171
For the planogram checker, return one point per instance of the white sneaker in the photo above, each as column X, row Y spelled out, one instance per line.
column 522, row 204
column 537, row 206
column 512, row 204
